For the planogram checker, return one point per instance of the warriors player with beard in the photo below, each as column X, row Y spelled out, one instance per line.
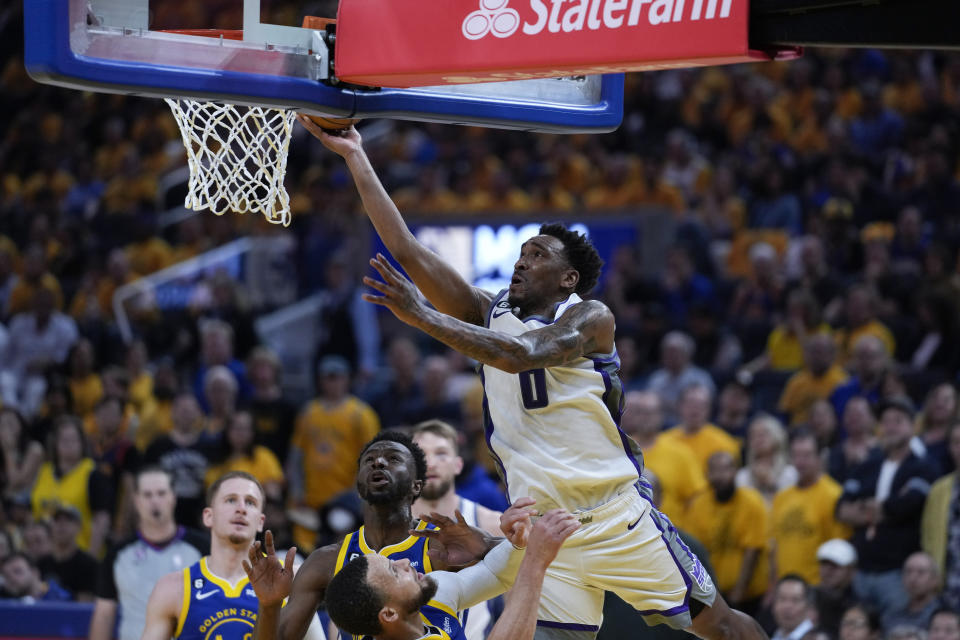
column 390, row 477
column 439, row 443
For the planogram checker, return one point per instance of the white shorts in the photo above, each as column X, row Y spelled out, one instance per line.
column 628, row 547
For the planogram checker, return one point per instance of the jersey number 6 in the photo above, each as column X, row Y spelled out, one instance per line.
column 533, row 388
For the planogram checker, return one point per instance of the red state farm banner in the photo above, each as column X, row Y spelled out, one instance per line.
column 408, row 43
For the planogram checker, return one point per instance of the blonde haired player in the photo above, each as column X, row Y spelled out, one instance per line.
column 552, row 391
column 212, row 599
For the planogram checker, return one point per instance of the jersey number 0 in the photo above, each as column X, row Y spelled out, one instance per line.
column 533, row 388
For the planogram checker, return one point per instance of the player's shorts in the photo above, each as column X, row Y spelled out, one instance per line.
column 628, row 547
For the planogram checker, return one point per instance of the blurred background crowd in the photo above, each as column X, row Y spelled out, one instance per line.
column 791, row 365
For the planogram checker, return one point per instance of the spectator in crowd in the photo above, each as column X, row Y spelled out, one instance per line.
column 883, row 500
column 216, row 348
column 156, row 418
column 238, row 451
column 678, row 470
column 837, row 564
column 731, row 522
column 869, row 365
column 71, row 478
column 398, row 388
column 272, row 413
column 39, row 339
column 860, row 320
column 34, row 276
column 941, row 410
column 220, row 390
column 935, row 354
column 792, row 608
column 21, row 581
column 921, row 583
column 349, row 325
column 803, row 515
column 677, row 373
column 329, row 435
column 140, row 377
column 74, row 569
column 22, row 455
column 116, row 457
column 38, row 540
column 734, row 405
column 944, row 625
column 131, row 568
column 435, row 402
column 818, row 277
column 860, row 444
column 682, row 288
column 860, row 622
column 768, row 468
column 940, row 524
column 185, row 454
column 822, row 421
column 784, row 348
column 86, row 388
column 816, row 381
column 695, row 430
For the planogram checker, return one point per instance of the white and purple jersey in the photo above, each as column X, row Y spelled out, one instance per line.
column 555, row 432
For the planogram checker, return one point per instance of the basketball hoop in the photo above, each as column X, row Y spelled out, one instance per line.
column 237, row 157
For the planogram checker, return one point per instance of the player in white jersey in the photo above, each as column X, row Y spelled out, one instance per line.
column 382, row 598
column 439, row 443
column 552, row 400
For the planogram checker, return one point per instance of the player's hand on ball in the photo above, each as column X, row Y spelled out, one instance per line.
column 515, row 522
column 342, row 142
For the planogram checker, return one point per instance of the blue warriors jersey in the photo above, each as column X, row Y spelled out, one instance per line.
column 441, row 621
column 213, row 609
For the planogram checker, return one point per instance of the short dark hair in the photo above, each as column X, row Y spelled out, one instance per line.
column 353, row 604
column 808, row 593
column 18, row 555
column 942, row 610
column 212, row 491
column 580, row 253
column 419, row 458
column 874, row 620
column 804, row 433
column 150, row 468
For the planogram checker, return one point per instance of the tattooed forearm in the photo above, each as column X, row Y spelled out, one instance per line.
column 547, row 347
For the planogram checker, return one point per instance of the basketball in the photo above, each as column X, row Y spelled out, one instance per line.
column 333, row 124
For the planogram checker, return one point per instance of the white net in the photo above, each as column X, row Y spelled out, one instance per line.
column 237, row 157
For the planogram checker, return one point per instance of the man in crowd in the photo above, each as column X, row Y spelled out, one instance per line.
column 131, row 568
column 921, row 582
column 792, row 608
column 883, row 500
column 837, row 561
column 695, row 430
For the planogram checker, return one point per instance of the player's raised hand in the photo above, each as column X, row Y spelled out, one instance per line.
column 454, row 543
column 515, row 522
column 343, row 142
column 549, row 533
column 270, row 580
column 399, row 294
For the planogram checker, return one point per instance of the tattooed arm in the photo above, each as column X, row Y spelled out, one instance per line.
column 584, row 328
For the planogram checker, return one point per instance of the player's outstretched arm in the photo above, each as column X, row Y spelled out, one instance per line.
column 440, row 282
column 163, row 608
column 519, row 618
column 585, row 328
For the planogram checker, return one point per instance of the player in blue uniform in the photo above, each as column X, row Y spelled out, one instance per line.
column 551, row 403
column 389, row 478
column 212, row 598
column 385, row 598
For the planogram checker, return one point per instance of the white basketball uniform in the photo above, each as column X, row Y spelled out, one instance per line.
column 477, row 618
column 555, row 436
